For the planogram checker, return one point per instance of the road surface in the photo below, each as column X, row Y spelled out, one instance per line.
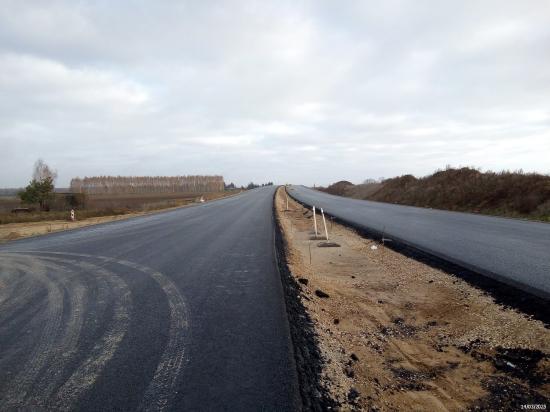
column 516, row 252
column 177, row 310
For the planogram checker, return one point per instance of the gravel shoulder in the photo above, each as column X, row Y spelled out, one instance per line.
column 397, row 334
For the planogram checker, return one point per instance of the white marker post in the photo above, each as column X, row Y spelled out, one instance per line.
column 324, row 223
column 287, row 202
column 72, row 215
column 315, row 222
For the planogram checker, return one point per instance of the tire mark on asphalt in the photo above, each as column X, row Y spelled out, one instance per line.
column 14, row 288
column 8, row 283
column 17, row 390
column 161, row 389
column 58, row 343
column 89, row 370
column 66, row 344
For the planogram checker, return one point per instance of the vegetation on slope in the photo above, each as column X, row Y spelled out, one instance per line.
column 513, row 194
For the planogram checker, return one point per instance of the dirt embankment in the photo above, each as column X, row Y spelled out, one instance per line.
column 512, row 194
column 396, row 334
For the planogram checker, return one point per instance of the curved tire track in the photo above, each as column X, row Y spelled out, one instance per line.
column 17, row 390
column 38, row 384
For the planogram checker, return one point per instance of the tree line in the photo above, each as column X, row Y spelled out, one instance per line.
column 147, row 184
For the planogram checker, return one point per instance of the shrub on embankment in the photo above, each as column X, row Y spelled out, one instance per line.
column 506, row 193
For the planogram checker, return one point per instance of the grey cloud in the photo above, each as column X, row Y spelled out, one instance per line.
column 305, row 92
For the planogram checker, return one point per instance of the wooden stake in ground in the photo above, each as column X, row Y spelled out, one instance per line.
column 315, row 222
column 324, row 223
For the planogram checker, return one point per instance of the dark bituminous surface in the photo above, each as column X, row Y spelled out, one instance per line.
column 513, row 251
column 179, row 310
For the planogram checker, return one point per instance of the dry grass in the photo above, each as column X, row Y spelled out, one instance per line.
column 7, row 218
column 7, row 203
column 107, row 205
column 48, row 222
column 512, row 194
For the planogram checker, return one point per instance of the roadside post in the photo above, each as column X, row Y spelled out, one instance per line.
column 315, row 222
column 324, row 223
column 72, row 215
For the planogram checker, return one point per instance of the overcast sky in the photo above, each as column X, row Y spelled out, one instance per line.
column 301, row 92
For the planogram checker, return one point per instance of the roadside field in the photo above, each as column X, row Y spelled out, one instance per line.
column 397, row 334
column 107, row 205
column 144, row 201
column 47, row 222
column 7, row 203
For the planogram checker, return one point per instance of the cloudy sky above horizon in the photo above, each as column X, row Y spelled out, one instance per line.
column 302, row 92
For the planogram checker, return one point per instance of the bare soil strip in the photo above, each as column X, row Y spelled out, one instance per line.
column 397, row 334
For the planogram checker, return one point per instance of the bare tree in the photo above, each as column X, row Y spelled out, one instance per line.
column 42, row 171
column 40, row 189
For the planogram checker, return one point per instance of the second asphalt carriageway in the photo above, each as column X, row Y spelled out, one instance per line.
column 516, row 252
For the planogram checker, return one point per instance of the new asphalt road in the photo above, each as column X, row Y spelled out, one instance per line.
column 181, row 310
column 514, row 251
